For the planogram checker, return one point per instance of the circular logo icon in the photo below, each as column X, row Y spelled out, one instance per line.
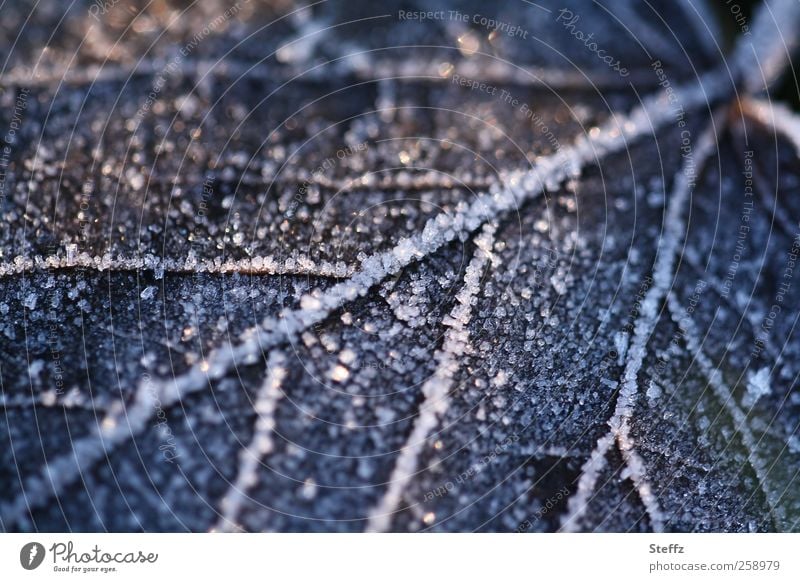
column 31, row 555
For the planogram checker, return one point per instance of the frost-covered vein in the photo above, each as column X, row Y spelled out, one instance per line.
column 356, row 65
column 303, row 266
column 776, row 117
column 587, row 482
column 409, row 179
column 72, row 400
column 261, row 444
column 117, row 427
column 762, row 56
column 779, row 121
column 675, row 226
column 618, row 133
column 436, row 390
column 493, row 70
column 705, row 22
column 726, row 398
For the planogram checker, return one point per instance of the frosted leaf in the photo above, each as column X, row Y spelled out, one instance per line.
column 388, row 300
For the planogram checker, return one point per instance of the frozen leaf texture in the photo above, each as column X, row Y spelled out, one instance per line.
column 403, row 266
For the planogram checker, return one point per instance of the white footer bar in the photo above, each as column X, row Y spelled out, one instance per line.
column 400, row 557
